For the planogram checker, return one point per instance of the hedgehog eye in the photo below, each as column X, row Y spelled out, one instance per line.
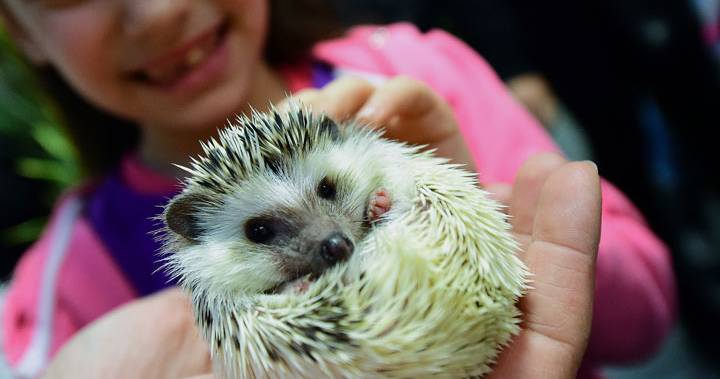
column 326, row 189
column 259, row 230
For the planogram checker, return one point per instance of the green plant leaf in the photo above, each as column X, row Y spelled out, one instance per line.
column 24, row 232
column 54, row 171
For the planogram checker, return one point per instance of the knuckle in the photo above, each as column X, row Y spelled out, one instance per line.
column 352, row 82
column 410, row 83
column 306, row 94
column 306, row 97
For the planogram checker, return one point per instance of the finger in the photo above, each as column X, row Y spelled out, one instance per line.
column 558, row 310
column 500, row 192
column 562, row 253
column 342, row 98
column 526, row 192
column 568, row 207
column 400, row 102
column 400, row 95
column 562, row 257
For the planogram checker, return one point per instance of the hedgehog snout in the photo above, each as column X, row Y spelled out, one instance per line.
column 336, row 248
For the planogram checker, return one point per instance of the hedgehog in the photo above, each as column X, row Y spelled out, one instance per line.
column 312, row 248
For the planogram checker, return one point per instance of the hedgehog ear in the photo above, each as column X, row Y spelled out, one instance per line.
column 181, row 216
column 330, row 127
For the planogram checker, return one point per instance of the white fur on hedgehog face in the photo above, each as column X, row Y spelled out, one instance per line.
column 224, row 258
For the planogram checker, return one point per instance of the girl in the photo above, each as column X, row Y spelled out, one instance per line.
column 173, row 70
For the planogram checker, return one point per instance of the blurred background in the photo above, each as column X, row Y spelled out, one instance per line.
column 632, row 84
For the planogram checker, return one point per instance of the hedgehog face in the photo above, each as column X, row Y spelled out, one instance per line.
column 294, row 218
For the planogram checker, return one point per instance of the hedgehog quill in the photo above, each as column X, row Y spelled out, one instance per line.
column 313, row 249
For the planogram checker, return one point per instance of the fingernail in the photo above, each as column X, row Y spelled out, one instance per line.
column 594, row 165
column 367, row 112
column 373, row 110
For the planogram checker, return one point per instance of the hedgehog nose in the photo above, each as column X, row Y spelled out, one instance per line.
column 336, row 248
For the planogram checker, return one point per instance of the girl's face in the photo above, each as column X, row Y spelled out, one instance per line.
column 169, row 63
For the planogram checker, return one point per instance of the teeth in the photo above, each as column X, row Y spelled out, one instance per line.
column 169, row 71
column 195, row 56
column 161, row 74
column 164, row 73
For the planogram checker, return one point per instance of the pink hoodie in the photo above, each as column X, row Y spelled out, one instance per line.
column 67, row 279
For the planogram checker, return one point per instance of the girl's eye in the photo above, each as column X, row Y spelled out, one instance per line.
column 326, row 189
column 260, row 230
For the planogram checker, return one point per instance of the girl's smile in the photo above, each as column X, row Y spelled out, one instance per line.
column 171, row 66
column 191, row 65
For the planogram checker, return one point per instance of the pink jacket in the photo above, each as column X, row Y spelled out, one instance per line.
column 67, row 279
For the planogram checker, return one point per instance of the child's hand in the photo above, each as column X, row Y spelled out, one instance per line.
column 153, row 337
column 554, row 209
column 407, row 109
column 556, row 217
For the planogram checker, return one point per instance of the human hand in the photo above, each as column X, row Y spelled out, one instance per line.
column 555, row 209
column 555, row 214
column 154, row 337
column 407, row 109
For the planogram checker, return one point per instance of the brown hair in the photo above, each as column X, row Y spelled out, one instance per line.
column 101, row 139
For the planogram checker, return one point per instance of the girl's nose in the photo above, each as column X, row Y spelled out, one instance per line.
column 155, row 18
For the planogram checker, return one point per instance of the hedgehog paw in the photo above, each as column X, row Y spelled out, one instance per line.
column 379, row 205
